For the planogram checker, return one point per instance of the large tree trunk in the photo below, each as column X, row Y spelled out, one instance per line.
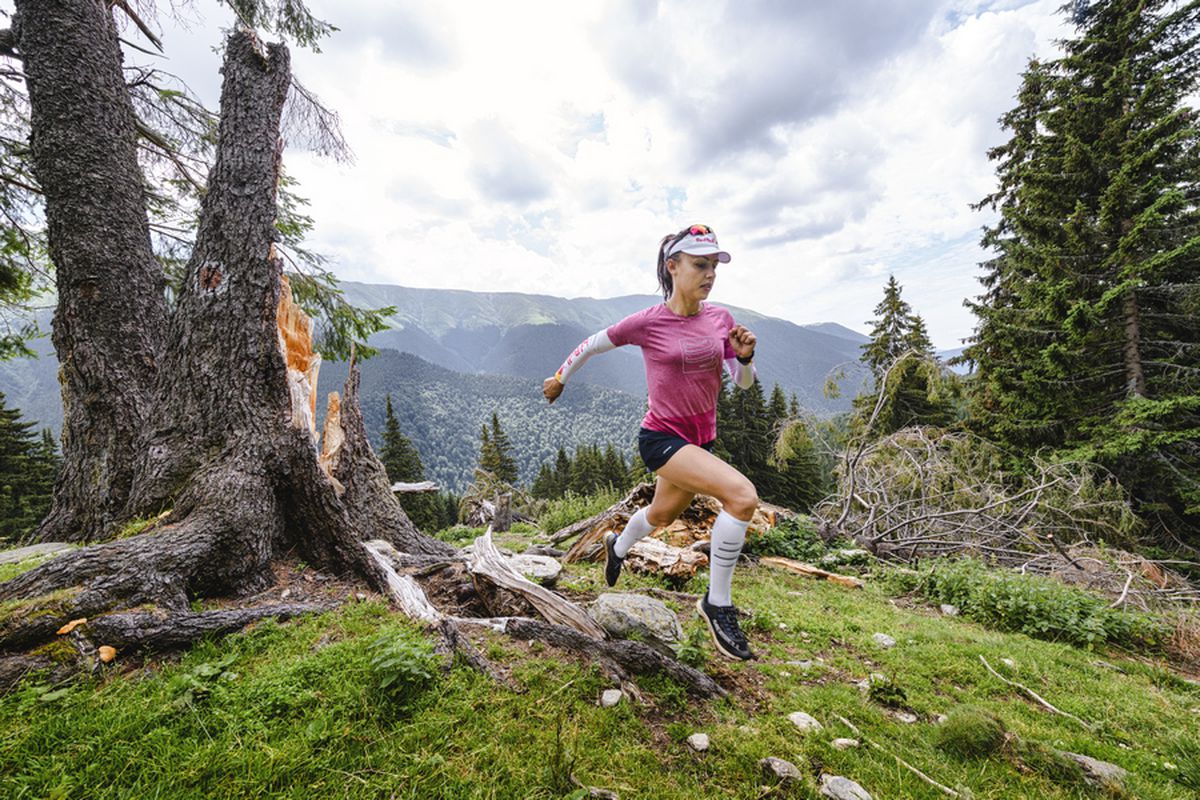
column 1135, row 378
column 111, row 310
column 229, row 452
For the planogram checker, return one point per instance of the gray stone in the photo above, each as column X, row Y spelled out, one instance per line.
column 804, row 665
column 883, row 640
column 845, row 556
column 33, row 551
column 840, row 788
column 540, row 569
column 805, row 723
column 698, row 742
column 949, row 610
column 610, row 697
column 544, row 550
column 1098, row 773
column 637, row 616
column 843, row 744
column 1008, row 662
column 778, row 769
column 907, row 717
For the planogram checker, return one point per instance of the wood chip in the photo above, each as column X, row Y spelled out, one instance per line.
column 72, row 625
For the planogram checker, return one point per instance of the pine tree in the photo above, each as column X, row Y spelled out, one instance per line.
column 804, row 478
column 562, row 473
column 543, row 487
column 28, row 466
column 400, row 458
column 403, row 464
column 901, row 359
column 1088, row 342
column 495, row 454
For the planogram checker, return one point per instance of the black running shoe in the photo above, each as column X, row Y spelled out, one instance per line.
column 612, row 561
column 723, row 625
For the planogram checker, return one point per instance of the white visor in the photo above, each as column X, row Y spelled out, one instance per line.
column 699, row 244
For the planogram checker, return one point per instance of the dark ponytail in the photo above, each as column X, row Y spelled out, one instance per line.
column 665, row 282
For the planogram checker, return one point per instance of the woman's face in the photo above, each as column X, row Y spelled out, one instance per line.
column 693, row 276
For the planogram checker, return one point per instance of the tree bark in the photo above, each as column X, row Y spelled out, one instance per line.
column 1135, row 379
column 111, row 311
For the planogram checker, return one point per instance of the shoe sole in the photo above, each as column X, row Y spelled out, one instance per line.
column 708, row 623
column 607, row 552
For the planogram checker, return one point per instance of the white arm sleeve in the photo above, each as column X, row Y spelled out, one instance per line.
column 743, row 374
column 596, row 343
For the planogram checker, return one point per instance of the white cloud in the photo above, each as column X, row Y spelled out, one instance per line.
column 547, row 146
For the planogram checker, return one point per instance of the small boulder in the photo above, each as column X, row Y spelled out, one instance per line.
column 883, row 640
column 949, row 610
column 539, row 569
column 698, row 742
column 636, row 616
column 843, row 744
column 779, row 770
column 1099, row 774
column 544, row 550
column 610, row 697
column 805, row 723
column 839, row 788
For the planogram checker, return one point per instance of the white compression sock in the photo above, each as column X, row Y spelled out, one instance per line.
column 728, row 535
column 637, row 528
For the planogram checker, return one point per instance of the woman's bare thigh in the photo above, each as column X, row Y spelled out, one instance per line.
column 668, row 503
column 694, row 469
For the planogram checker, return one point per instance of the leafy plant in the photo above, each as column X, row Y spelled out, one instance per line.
column 693, row 649
column 196, row 684
column 401, row 667
column 886, row 692
column 1036, row 606
column 796, row 539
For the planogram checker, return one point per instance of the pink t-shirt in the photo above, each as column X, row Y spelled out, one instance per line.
column 684, row 358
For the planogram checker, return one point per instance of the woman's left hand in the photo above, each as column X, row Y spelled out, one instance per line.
column 742, row 341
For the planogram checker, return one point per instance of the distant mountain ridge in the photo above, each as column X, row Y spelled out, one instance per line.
column 525, row 335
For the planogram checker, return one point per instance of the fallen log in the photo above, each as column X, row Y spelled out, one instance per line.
column 486, row 562
column 809, row 571
column 414, row 488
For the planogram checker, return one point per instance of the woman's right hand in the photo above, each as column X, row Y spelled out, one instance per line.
column 552, row 388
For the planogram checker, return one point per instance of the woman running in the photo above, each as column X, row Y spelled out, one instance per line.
column 684, row 342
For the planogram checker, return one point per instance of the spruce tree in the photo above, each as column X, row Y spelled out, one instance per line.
column 495, row 455
column 403, row 464
column 1088, row 341
column 28, row 466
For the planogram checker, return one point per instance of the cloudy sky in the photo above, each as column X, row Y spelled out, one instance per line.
column 547, row 146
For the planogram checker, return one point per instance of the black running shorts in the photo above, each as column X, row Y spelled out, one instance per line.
column 656, row 447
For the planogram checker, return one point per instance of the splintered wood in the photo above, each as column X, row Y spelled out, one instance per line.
column 332, row 438
column 668, row 550
column 296, row 344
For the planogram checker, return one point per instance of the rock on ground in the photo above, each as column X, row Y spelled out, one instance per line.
column 778, row 769
column 805, row 723
column 1101, row 774
column 883, row 640
column 840, row 788
column 626, row 616
column 610, row 697
column 698, row 742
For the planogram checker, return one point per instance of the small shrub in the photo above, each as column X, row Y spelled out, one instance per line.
column 886, row 692
column 693, row 649
column 971, row 733
column 401, row 667
column 1038, row 607
column 763, row 621
column 796, row 539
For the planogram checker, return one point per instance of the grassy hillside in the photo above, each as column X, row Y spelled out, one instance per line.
column 293, row 710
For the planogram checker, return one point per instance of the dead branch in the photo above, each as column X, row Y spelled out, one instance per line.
column 1036, row 697
column 944, row 789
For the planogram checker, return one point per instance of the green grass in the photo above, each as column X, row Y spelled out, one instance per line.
column 299, row 710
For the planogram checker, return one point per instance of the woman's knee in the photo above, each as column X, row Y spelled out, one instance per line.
column 741, row 501
column 659, row 517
